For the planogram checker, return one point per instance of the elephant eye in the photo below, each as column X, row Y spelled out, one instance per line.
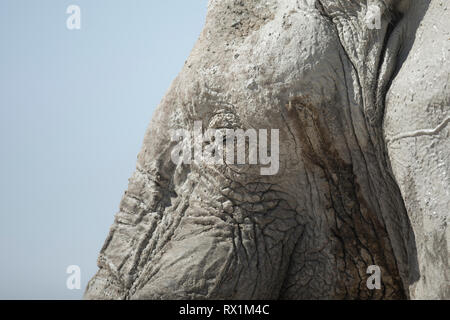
column 224, row 119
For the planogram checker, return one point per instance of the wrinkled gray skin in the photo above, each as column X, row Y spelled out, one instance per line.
column 364, row 160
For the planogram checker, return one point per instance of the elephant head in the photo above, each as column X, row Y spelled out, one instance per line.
column 350, row 92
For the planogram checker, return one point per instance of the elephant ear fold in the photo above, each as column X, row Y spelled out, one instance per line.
column 416, row 130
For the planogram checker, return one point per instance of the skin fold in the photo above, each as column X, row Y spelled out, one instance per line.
column 317, row 73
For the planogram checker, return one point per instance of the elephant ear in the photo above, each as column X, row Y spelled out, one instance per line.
column 416, row 130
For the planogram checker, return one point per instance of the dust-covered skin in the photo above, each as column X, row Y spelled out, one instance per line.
column 315, row 71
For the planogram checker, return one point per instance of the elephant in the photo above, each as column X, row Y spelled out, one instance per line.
column 361, row 103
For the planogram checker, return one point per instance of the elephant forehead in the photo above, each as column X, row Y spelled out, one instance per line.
column 294, row 54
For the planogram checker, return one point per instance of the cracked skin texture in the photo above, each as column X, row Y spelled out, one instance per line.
column 313, row 70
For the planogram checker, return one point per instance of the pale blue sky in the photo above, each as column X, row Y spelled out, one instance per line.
column 74, row 106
